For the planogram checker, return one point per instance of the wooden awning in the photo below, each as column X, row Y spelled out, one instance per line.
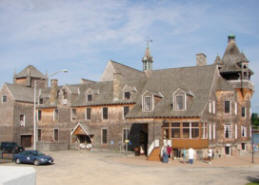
column 80, row 129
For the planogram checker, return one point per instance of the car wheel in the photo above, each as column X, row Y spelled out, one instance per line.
column 18, row 161
column 36, row 163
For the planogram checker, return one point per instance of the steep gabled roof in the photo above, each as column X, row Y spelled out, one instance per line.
column 30, row 71
column 197, row 80
column 21, row 93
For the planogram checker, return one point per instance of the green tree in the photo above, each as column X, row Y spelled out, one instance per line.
column 255, row 119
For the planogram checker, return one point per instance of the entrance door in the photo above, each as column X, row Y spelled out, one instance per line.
column 227, row 150
column 26, row 141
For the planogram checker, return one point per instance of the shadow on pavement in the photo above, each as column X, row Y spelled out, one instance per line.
column 253, row 179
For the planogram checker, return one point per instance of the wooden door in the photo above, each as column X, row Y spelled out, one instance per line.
column 26, row 141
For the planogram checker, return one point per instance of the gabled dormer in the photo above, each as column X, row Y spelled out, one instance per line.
column 128, row 92
column 179, row 100
column 89, row 94
column 147, row 102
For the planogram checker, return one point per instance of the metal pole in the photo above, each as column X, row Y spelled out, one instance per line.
column 34, row 117
column 252, row 144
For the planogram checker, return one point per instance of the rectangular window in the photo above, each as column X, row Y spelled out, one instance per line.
column 22, row 120
column 39, row 134
column 186, row 130
column 89, row 97
column 147, row 103
column 204, row 133
column 195, row 130
column 125, row 135
column 88, row 114
column 105, row 112
column 41, row 100
column 125, row 111
column 39, row 115
column 210, row 131
column 175, row 130
column 4, row 99
column 104, row 136
column 214, row 131
column 55, row 115
column 228, row 131
column 209, row 107
column 243, row 146
column 243, row 131
column 179, row 102
column 127, row 95
column 243, row 112
column 73, row 114
column 55, row 134
column 227, row 106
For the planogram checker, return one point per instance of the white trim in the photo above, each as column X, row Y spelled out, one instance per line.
column 86, row 113
column 144, row 103
column 210, row 131
column 214, row 130
column 213, row 107
column 235, row 108
column 209, row 106
column 77, row 125
column 235, row 131
column 22, row 123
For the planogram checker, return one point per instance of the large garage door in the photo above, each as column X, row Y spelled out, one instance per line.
column 26, row 141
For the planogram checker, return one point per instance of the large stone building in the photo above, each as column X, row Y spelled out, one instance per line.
column 204, row 106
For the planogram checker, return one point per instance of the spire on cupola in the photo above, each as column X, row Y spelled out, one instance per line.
column 147, row 60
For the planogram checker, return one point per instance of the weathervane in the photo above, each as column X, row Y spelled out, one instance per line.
column 148, row 41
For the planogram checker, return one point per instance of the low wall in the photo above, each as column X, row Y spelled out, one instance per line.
column 52, row 146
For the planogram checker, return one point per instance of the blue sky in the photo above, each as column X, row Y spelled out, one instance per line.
column 82, row 35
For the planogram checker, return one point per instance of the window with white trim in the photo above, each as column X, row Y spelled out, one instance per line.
column 175, row 130
column 209, row 107
column 204, row 132
column 88, row 113
column 105, row 113
column 55, row 134
column 227, row 107
column 243, row 112
column 186, row 130
column 228, row 131
column 127, row 95
column 195, row 130
column 210, row 131
column 104, row 136
column 89, row 97
column 4, row 98
column 147, row 103
column 125, row 111
column 214, row 130
column 213, row 107
column 180, row 101
column 22, row 120
column 243, row 131
column 55, row 115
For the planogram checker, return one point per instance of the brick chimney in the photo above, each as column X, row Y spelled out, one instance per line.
column 53, row 91
column 201, row 59
column 117, row 86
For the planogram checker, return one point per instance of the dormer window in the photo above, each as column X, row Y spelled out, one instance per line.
column 127, row 95
column 147, row 103
column 89, row 97
column 179, row 100
column 4, row 99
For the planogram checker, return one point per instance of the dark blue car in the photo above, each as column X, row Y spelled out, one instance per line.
column 32, row 157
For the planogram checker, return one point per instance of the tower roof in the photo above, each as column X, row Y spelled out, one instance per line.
column 30, row 70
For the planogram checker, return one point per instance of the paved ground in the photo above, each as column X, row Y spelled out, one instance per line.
column 95, row 168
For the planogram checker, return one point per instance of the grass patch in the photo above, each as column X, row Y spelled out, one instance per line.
column 253, row 183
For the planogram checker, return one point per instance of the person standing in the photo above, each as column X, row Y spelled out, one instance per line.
column 210, row 154
column 191, row 155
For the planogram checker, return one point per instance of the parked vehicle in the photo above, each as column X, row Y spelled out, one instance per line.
column 10, row 147
column 32, row 157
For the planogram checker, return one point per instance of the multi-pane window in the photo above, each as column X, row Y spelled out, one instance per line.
column 125, row 111
column 39, row 115
column 186, row 130
column 41, row 100
column 175, row 130
column 228, row 131
column 104, row 136
column 88, row 113
column 55, row 115
column 89, row 97
column 204, row 132
column 166, row 130
column 147, row 103
column 243, row 131
column 4, row 99
column 105, row 112
column 73, row 114
column 179, row 102
column 39, row 134
column 243, row 112
column 22, row 120
column 195, row 130
column 227, row 106
column 127, row 95
column 55, row 134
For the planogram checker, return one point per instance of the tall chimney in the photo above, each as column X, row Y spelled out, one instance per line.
column 117, row 77
column 53, row 91
column 201, row 59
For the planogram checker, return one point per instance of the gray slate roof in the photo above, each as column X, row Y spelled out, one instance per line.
column 21, row 93
column 30, row 71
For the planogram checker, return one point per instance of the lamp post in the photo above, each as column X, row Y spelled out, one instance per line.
column 34, row 108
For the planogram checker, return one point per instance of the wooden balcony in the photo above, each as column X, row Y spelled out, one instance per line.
column 190, row 143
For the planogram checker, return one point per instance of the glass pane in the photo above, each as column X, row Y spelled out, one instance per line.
column 176, row 124
column 148, row 103
column 179, row 102
column 195, row 124
column 166, row 134
column 175, row 132
column 195, row 132
column 227, row 106
column 186, row 124
column 186, row 132
column 165, row 124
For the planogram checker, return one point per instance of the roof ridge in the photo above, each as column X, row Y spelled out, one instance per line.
column 126, row 66
column 186, row 67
